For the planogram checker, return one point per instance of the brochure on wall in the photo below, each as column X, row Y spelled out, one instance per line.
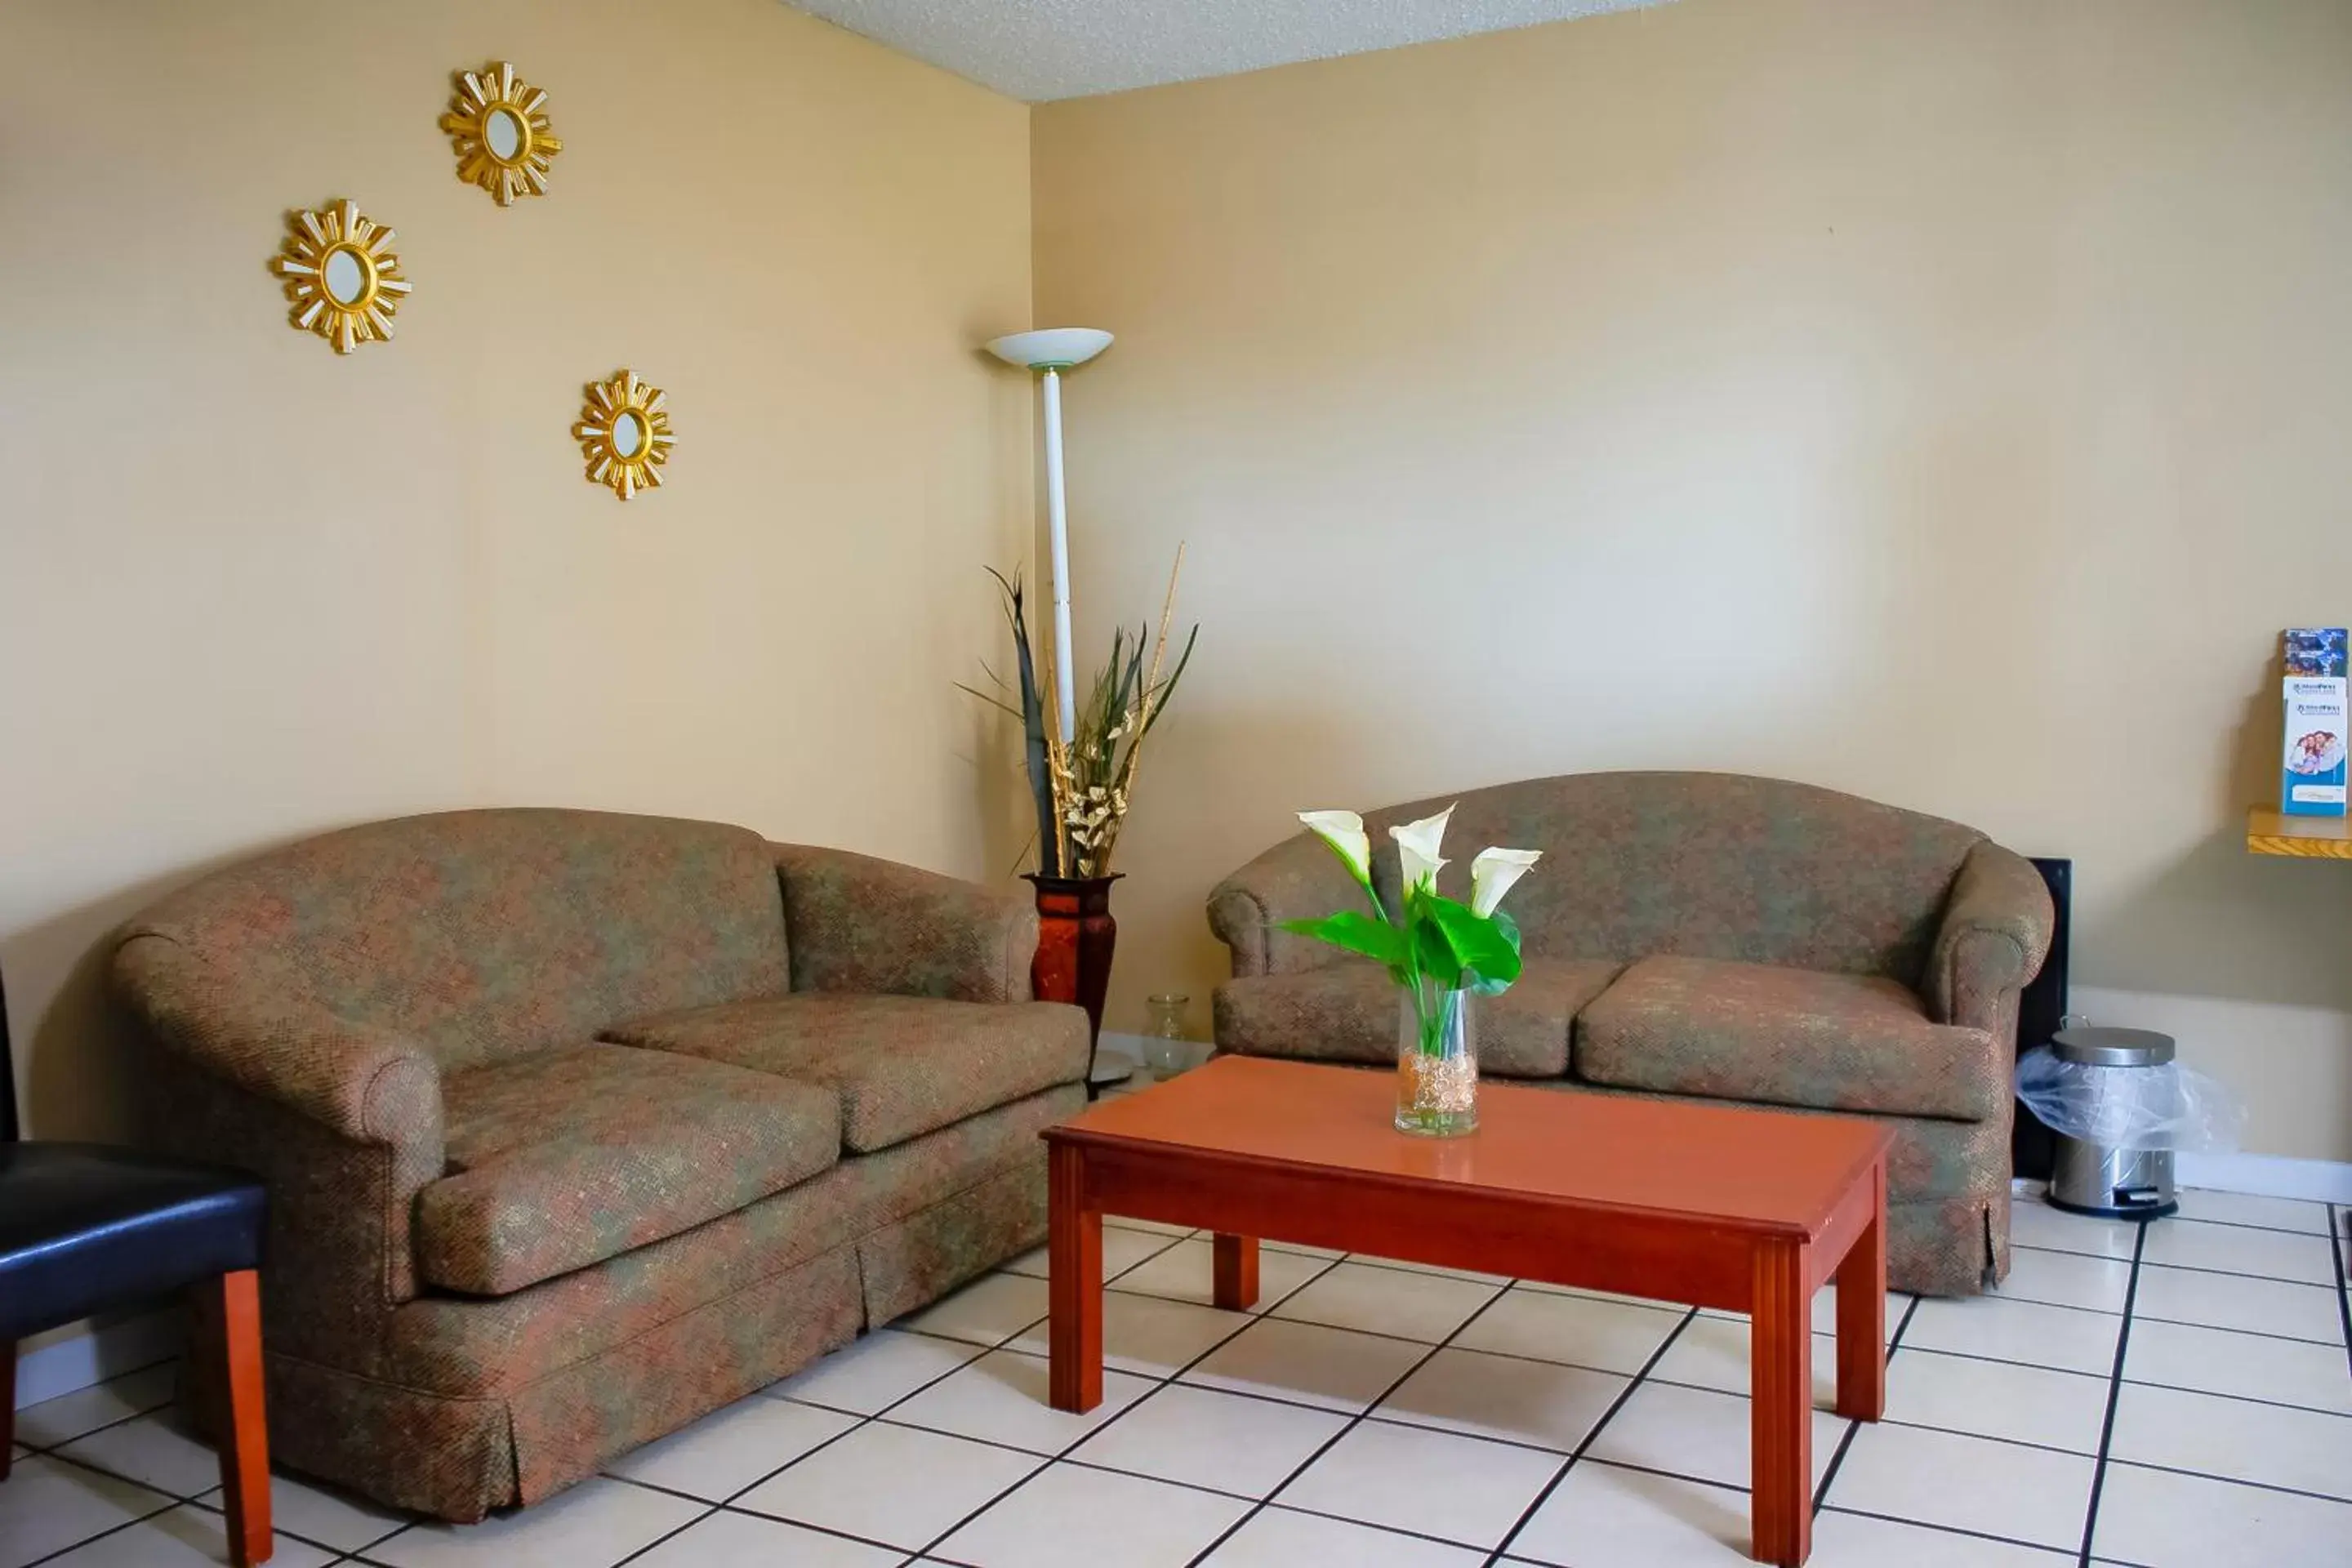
column 2311, row 783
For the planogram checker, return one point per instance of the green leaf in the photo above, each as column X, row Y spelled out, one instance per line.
column 1485, row 947
column 1354, row 931
column 1033, row 728
column 1033, row 747
column 1168, row 687
column 1437, row 958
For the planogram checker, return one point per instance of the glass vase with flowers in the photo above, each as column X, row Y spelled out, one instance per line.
column 1441, row 954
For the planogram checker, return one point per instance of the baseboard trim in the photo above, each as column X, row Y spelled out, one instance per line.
column 64, row 1365
column 2267, row 1175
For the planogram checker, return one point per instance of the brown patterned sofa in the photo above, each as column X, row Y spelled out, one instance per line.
column 1715, row 937
column 579, row 1126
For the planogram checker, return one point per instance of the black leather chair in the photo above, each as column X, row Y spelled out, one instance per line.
column 88, row 1227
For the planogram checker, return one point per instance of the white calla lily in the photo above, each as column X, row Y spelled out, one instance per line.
column 1492, row 874
column 1344, row 832
column 1417, row 844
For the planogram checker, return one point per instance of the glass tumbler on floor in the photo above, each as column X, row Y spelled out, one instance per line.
column 1167, row 1049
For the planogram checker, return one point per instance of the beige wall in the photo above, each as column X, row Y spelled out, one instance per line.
column 1944, row 402
column 249, row 591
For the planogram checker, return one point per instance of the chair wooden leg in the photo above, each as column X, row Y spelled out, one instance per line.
column 245, row 1446
column 7, row 1403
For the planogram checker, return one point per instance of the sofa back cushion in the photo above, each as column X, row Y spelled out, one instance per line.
column 489, row 933
column 1709, row 865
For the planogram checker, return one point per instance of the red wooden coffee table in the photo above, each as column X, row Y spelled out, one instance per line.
column 1749, row 1211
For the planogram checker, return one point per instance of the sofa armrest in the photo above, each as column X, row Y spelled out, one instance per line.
column 855, row 923
column 343, row 1119
column 366, row 1083
column 1298, row 878
column 1995, row 933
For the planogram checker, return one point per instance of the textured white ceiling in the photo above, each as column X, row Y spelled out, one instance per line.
column 1041, row 49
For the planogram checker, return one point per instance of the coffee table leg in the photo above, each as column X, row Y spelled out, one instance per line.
column 1780, row 1406
column 1073, row 1283
column 1861, row 1316
column 1236, row 1272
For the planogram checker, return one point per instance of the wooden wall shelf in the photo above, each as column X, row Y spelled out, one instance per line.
column 2312, row 837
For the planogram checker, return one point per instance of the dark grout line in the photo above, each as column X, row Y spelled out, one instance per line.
column 2239, row 1398
column 1640, row 1469
column 2245, row 1224
column 2233, row 1273
column 1353, row 1422
column 2182, row 1268
column 2064, row 1252
column 1075, row 1463
column 1585, row 1446
column 1988, row 1438
column 1269, row 1314
column 32, row 1448
column 2336, row 1244
column 2042, row 1547
column 2236, row 1481
column 110, row 1529
column 2114, row 1396
column 1265, row 1506
column 1427, row 1271
column 2001, row 1294
column 2249, row 1225
column 2009, row 1361
column 2147, row 1317
column 1368, row 1524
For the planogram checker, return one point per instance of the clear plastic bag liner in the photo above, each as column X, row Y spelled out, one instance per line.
column 2164, row 1107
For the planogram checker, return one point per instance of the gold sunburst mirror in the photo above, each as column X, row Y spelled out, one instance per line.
column 342, row 276
column 499, row 126
column 623, row 432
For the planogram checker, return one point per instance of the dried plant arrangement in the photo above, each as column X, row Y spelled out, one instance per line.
column 1084, row 783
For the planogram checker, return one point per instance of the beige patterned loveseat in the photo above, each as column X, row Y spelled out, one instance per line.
column 579, row 1126
column 1716, row 937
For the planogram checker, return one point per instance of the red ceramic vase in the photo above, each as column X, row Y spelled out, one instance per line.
column 1075, row 935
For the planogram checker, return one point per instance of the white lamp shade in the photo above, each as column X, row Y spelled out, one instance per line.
column 1057, row 347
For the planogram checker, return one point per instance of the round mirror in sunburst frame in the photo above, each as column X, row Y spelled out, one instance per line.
column 498, row 124
column 342, row 276
column 623, row 432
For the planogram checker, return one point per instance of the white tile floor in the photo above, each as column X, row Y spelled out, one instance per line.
column 2182, row 1398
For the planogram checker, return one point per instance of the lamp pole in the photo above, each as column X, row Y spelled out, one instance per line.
column 1057, row 528
column 1049, row 352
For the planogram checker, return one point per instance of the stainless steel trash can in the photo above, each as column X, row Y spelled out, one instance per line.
column 2089, row 1177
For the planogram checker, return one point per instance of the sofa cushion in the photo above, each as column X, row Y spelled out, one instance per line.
column 902, row 1066
column 566, row 1158
column 1348, row 1013
column 1786, row 1037
column 464, row 1349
